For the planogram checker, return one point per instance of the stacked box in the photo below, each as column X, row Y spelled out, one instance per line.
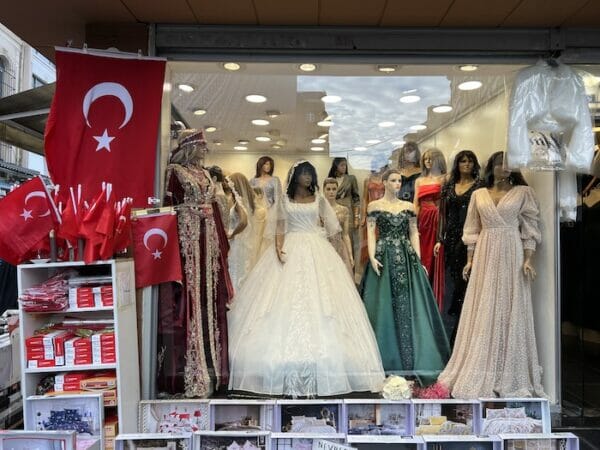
column 46, row 350
column 91, row 297
column 68, row 381
column 78, row 351
column 103, row 347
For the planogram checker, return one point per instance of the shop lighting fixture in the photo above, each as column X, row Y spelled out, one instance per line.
column 386, row 124
column 387, row 68
column 240, row 147
column 307, row 67
column 256, row 98
column 199, row 112
column 442, row 109
column 398, row 143
column 217, row 142
column 324, row 136
column 418, row 127
column 373, row 141
column 468, row 68
column 243, row 142
column 360, row 149
column 325, row 123
column 410, row 99
column 231, row 66
column 260, row 122
column 263, row 138
column 318, row 141
column 331, row 99
column 210, row 129
column 317, row 149
column 469, row 85
column 272, row 113
column 185, row 87
column 275, row 146
column 281, row 142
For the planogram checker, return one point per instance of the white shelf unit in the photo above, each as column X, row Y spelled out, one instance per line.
column 235, row 411
column 285, row 409
column 383, row 418
column 131, row 441
column 208, row 440
column 462, row 442
column 303, row 441
column 123, row 315
column 536, row 411
column 566, row 441
column 174, row 416
column 452, row 409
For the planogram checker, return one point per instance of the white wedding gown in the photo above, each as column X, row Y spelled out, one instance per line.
column 300, row 328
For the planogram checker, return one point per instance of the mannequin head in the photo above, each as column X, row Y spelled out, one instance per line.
column 264, row 165
column 239, row 183
column 330, row 186
column 465, row 165
column 216, row 173
column 496, row 172
column 191, row 149
column 433, row 162
column 339, row 167
column 409, row 155
column 302, row 175
column 392, row 180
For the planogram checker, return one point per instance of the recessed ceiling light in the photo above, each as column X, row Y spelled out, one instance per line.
column 442, row 109
column 232, row 66
column 307, row 67
column 260, row 122
column 325, row 123
column 410, row 99
column 272, row 113
column 281, row 142
column 256, row 98
column 418, row 127
column 360, row 149
column 210, row 129
column 324, row 136
column 331, row 99
column 318, row 141
column 243, row 141
column 386, row 124
column 262, row 138
column 469, row 85
column 317, row 149
column 240, row 147
column 388, row 68
column 469, row 68
column 409, row 91
column 373, row 141
column 185, row 87
column 199, row 112
column 217, row 142
column 275, row 146
column 398, row 143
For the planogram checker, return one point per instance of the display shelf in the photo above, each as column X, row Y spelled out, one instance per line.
column 174, row 416
column 370, row 442
column 462, row 442
column 540, row 441
column 447, row 416
column 124, row 320
column 131, row 441
column 319, row 416
column 514, row 415
column 25, row 440
column 379, row 417
column 247, row 440
column 305, row 441
column 253, row 414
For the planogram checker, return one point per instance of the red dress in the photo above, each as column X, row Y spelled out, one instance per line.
column 428, row 222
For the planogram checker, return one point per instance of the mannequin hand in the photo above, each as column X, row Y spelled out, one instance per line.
column 467, row 271
column 351, row 262
column 363, row 222
column 356, row 222
column 436, row 249
column 528, row 270
column 425, row 269
column 376, row 265
column 280, row 255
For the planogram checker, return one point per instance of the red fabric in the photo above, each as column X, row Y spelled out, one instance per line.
column 27, row 216
column 428, row 222
column 106, row 228
column 87, row 228
column 69, row 228
column 116, row 143
column 156, row 250
column 123, row 228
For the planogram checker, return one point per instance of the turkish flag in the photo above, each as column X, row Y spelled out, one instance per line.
column 28, row 214
column 156, row 249
column 103, row 123
column 123, row 226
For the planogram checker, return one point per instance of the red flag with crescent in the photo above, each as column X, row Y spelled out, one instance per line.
column 27, row 216
column 156, row 249
column 104, row 121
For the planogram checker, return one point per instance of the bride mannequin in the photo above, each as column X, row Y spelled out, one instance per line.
column 297, row 327
column 397, row 293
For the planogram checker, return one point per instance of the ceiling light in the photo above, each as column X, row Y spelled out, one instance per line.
column 243, row 142
column 217, row 142
column 398, row 143
column 307, row 67
column 317, row 149
column 469, row 85
column 256, row 98
column 210, row 129
column 185, row 87
column 373, row 141
column 360, row 149
column 263, row 138
column 318, row 141
column 272, row 113
column 468, row 68
column 331, row 99
column 325, row 123
column 386, row 124
column 409, row 91
column 442, row 109
column 324, row 136
column 418, row 127
column 281, row 142
column 410, row 99
column 232, row 66
column 240, row 147
column 387, row 68
column 199, row 112
column 260, row 122
column 275, row 146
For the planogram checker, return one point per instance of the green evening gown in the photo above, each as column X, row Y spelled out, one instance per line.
column 401, row 306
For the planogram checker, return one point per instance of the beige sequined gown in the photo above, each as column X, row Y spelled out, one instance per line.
column 495, row 351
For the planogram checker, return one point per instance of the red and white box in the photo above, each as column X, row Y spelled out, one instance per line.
column 50, row 344
column 104, row 348
column 69, row 381
column 78, row 351
column 35, row 364
column 90, row 296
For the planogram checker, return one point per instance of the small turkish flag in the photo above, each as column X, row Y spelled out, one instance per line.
column 103, row 123
column 156, row 249
column 28, row 214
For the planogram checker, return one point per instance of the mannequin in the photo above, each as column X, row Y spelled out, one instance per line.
column 373, row 190
column 260, row 222
column 495, row 352
column 396, row 292
column 297, row 326
column 347, row 194
column 221, row 192
column 341, row 241
column 408, row 164
column 193, row 316
column 456, row 194
column 271, row 188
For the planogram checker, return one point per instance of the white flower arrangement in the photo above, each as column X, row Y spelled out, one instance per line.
column 397, row 388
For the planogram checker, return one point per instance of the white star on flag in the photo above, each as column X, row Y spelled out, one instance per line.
column 104, row 141
column 26, row 214
column 157, row 254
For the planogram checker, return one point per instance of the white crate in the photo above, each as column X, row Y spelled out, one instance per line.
column 462, row 416
column 507, row 418
column 182, row 441
column 245, row 440
column 328, row 412
column 462, row 442
column 378, row 417
column 540, row 441
column 232, row 415
column 174, row 416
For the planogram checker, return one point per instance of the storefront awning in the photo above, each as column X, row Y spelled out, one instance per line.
column 23, row 118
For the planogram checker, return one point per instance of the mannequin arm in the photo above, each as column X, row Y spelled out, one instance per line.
column 371, row 243
column 528, row 269
column 243, row 223
column 416, row 197
column 413, row 233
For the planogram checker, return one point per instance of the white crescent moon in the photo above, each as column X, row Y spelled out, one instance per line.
column 155, row 231
column 39, row 194
column 108, row 88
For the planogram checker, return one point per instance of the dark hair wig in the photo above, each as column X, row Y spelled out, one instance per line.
column 455, row 173
column 261, row 162
column 515, row 177
column 334, row 167
column 301, row 168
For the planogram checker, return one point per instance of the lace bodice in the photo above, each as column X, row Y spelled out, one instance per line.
column 393, row 229
column 271, row 189
column 195, row 186
column 308, row 217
